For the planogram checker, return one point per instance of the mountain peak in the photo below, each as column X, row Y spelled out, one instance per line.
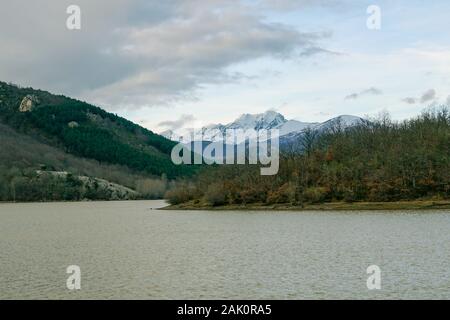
column 267, row 120
column 262, row 121
column 345, row 121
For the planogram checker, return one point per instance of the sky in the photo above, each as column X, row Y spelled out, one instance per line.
column 189, row 63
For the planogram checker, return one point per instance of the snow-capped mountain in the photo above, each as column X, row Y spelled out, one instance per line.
column 344, row 121
column 263, row 121
column 291, row 132
column 293, row 140
column 267, row 120
column 295, row 126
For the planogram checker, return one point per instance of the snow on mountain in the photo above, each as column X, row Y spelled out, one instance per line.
column 294, row 126
column 292, row 140
column 343, row 122
column 180, row 135
column 268, row 120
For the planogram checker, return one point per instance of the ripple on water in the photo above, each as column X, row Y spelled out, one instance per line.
column 125, row 250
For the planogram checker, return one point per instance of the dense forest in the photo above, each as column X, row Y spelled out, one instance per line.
column 42, row 132
column 377, row 161
column 31, row 171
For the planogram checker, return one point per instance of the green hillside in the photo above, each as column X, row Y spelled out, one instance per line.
column 42, row 131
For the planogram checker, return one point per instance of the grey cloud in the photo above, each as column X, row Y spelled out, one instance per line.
column 139, row 53
column 179, row 123
column 448, row 101
column 43, row 53
column 428, row 96
column 352, row 96
column 317, row 50
column 370, row 91
column 301, row 4
column 410, row 100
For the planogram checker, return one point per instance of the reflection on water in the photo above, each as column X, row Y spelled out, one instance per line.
column 129, row 250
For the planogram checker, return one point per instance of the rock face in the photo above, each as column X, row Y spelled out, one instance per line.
column 110, row 190
column 28, row 103
column 73, row 124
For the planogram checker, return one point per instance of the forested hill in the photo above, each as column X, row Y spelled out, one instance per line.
column 377, row 161
column 78, row 130
column 86, row 130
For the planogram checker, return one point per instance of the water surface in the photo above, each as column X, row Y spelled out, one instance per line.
column 129, row 250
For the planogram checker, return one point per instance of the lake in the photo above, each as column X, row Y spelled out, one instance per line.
column 130, row 250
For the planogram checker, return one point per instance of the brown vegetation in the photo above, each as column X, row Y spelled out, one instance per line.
column 378, row 161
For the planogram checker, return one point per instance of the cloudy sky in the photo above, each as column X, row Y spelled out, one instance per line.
column 174, row 63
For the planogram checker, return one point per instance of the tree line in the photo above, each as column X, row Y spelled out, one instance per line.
column 377, row 161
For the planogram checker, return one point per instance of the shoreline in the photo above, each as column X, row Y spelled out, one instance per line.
column 330, row 206
column 75, row 201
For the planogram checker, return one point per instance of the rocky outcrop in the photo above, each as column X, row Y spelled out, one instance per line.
column 28, row 103
column 73, row 124
column 105, row 188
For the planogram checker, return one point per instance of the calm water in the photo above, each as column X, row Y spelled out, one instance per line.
column 127, row 250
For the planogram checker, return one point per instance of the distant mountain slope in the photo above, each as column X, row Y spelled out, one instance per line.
column 342, row 122
column 267, row 120
column 86, row 131
column 291, row 132
column 297, row 140
column 27, row 153
column 264, row 121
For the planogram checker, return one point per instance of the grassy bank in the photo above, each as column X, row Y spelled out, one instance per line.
column 333, row 206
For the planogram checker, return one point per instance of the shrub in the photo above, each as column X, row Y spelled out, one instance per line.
column 151, row 188
column 215, row 195
column 252, row 196
column 315, row 194
column 284, row 194
column 180, row 194
column 349, row 196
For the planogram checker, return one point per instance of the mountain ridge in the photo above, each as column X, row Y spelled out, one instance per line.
column 262, row 121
